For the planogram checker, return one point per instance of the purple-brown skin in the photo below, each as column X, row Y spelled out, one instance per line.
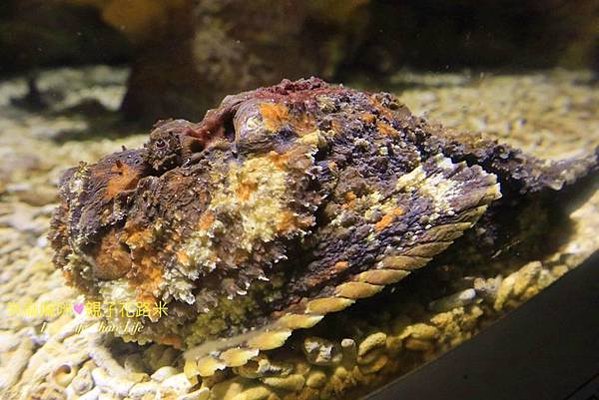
column 287, row 203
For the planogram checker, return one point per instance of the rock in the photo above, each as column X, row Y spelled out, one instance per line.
column 200, row 394
column 19, row 164
column 375, row 365
column 371, row 342
column 24, row 219
column 420, row 331
column 302, row 367
column 487, row 288
column 459, row 299
column 371, row 348
column 526, row 276
column 178, row 383
column 143, row 389
column 83, row 382
column 261, row 366
column 292, row 383
column 34, row 194
column 254, row 393
column 134, row 363
column 228, row 389
column 93, row 394
column 163, row 373
column 504, row 292
column 316, row 379
column 322, row 352
column 61, row 129
column 418, row 345
column 350, row 351
column 157, row 356
column 48, row 391
column 399, row 324
column 394, row 345
column 118, row 385
column 559, row 270
column 191, row 370
column 64, row 374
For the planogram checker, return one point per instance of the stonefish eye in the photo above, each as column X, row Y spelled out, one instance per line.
column 160, row 144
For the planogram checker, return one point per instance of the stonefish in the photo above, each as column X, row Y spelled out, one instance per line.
column 285, row 204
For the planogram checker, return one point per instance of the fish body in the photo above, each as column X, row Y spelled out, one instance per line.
column 284, row 204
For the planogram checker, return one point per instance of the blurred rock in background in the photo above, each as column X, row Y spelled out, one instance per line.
column 509, row 34
column 186, row 55
column 190, row 54
column 38, row 33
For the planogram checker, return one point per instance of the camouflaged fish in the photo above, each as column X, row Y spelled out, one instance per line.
column 284, row 204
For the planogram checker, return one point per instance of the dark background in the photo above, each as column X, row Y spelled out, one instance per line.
column 185, row 55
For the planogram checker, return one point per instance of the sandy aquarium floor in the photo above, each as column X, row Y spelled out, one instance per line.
column 58, row 353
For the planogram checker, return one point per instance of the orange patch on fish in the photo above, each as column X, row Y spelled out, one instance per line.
column 124, row 178
column 206, row 220
column 274, row 115
column 303, row 124
column 388, row 219
column 287, row 223
column 138, row 239
column 368, row 118
column 386, row 129
column 112, row 259
column 145, row 277
column 183, row 258
column 350, row 198
column 341, row 265
column 245, row 189
column 279, row 160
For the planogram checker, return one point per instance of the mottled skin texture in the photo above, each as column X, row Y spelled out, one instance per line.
column 282, row 205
